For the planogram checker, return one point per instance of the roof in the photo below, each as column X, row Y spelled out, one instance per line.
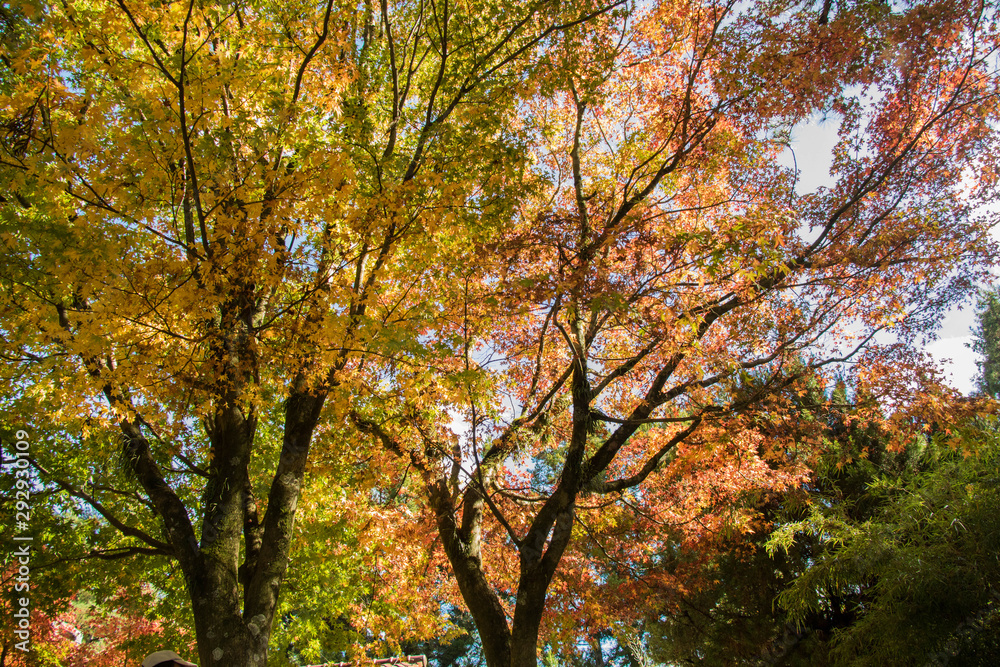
column 404, row 661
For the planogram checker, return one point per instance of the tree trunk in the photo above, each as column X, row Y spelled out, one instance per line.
column 462, row 546
column 224, row 638
column 233, row 629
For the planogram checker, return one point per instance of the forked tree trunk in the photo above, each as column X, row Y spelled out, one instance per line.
column 514, row 645
column 234, row 604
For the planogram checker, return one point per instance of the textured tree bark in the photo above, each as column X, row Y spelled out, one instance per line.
column 462, row 546
column 539, row 551
column 233, row 629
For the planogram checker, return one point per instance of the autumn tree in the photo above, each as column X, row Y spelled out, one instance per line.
column 881, row 556
column 213, row 214
column 621, row 353
column 238, row 234
column 733, row 616
column 88, row 604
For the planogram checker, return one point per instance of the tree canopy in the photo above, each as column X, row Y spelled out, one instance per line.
column 255, row 247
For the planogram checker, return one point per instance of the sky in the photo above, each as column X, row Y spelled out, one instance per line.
column 813, row 143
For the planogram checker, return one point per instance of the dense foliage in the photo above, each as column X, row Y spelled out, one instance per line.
column 887, row 556
column 340, row 329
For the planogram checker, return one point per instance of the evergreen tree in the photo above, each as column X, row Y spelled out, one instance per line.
column 986, row 342
column 886, row 556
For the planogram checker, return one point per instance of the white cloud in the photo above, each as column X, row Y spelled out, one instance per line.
column 958, row 361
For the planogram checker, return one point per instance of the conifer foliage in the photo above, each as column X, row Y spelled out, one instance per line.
column 986, row 342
